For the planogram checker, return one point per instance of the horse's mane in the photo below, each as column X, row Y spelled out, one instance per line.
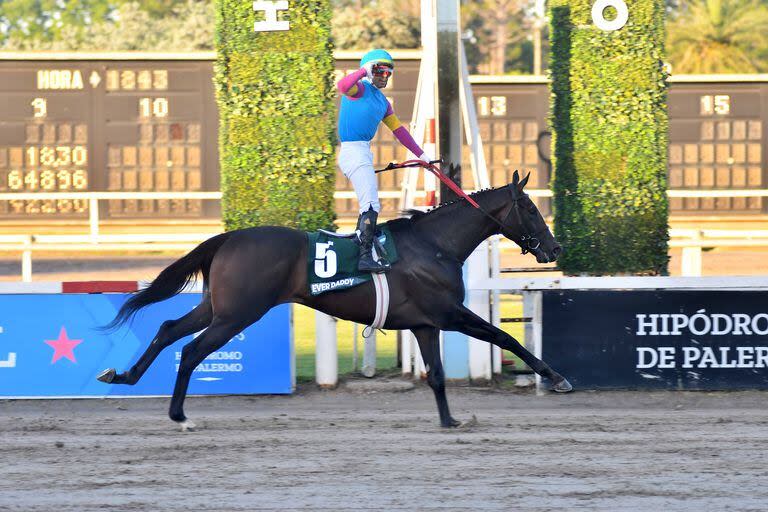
column 417, row 214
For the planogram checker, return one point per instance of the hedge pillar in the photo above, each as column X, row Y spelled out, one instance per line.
column 609, row 123
column 274, row 83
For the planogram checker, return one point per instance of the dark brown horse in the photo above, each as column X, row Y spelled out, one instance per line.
column 249, row 271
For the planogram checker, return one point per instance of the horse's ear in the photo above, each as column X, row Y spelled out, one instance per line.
column 515, row 178
column 525, row 181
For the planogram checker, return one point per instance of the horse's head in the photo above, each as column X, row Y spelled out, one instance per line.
column 525, row 226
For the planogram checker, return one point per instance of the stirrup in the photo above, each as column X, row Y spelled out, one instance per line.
column 370, row 265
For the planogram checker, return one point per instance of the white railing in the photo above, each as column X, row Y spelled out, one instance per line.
column 690, row 240
column 94, row 240
column 93, row 199
column 27, row 244
column 693, row 240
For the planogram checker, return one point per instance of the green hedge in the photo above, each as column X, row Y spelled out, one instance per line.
column 277, row 116
column 609, row 124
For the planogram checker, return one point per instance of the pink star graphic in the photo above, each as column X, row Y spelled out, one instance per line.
column 62, row 347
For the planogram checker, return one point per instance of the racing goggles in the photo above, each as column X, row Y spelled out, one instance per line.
column 382, row 70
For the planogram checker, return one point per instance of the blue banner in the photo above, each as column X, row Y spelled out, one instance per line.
column 50, row 347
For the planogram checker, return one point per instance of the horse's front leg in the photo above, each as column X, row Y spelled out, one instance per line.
column 429, row 344
column 467, row 322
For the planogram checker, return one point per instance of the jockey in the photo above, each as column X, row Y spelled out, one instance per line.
column 363, row 107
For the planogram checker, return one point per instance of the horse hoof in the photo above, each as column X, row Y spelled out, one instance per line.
column 107, row 376
column 187, row 426
column 452, row 423
column 562, row 386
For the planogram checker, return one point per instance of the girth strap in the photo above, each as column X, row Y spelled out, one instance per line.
column 381, row 285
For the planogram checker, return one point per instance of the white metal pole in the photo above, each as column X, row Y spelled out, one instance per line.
column 471, row 126
column 326, row 351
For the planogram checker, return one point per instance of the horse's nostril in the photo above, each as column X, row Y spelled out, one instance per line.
column 557, row 251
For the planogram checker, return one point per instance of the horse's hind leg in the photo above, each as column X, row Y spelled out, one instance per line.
column 467, row 322
column 213, row 338
column 170, row 331
column 429, row 344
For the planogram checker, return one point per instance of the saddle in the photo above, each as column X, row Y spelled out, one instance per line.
column 332, row 259
column 377, row 244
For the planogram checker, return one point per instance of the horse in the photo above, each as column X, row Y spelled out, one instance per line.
column 248, row 271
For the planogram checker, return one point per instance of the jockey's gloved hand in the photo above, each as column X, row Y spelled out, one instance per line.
column 368, row 67
column 425, row 157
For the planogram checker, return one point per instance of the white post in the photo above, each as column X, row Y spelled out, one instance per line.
column 369, row 355
column 496, row 305
column 691, row 261
column 479, row 351
column 406, row 351
column 536, row 327
column 26, row 266
column 419, row 368
column 355, row 357
column 326, row 351
column 93, row 218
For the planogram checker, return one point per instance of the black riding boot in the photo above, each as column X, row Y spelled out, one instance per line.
column 366, row 227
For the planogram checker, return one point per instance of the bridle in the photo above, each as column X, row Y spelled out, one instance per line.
column 528, row 243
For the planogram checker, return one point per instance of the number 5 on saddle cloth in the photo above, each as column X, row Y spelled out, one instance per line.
column 332, row 259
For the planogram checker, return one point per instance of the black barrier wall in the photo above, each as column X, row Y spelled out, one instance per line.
column 691, row 340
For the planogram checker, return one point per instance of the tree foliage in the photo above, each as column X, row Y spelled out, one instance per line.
column 719, row 36
column 187, row 25
column 44, row 20
column 496, row 35
column 382, row 24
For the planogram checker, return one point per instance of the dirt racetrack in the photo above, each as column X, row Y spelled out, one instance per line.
column 356, row 449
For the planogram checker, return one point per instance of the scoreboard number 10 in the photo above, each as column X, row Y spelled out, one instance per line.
column 153, row 107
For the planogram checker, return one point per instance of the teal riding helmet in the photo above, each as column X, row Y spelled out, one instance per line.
column 378, row 56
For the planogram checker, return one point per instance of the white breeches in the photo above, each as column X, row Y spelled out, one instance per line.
column 356, row 162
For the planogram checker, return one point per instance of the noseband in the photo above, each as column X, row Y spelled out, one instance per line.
column 528, row 242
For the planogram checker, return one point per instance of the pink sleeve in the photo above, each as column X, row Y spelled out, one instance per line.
column 390, row 110
column 406, row 140
column 346, row 83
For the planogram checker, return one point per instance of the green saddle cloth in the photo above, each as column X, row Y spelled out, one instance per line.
column 332, row 261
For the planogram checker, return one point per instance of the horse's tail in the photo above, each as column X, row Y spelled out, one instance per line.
column 174, row 278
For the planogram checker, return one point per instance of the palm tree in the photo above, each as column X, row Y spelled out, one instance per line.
column 719, row 36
